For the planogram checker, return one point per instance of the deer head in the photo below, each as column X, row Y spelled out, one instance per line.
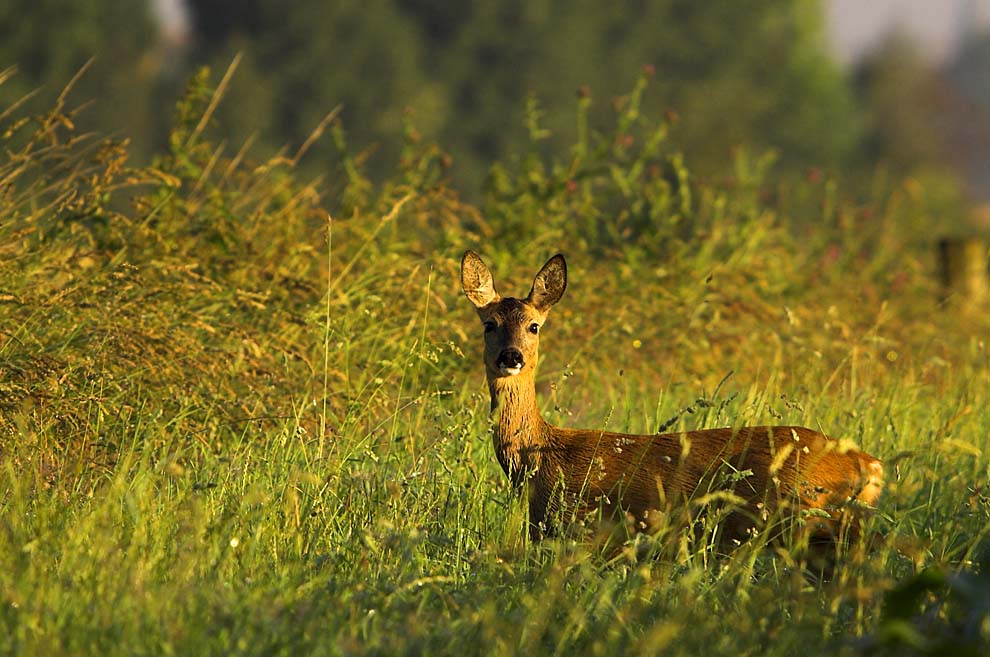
column 512, row 326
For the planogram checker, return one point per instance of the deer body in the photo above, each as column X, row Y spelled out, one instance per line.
column 578, row 473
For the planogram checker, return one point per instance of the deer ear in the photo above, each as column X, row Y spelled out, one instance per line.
column 550, row 283
column 477, row 281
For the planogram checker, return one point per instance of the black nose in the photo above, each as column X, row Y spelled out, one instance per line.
column 510, row 358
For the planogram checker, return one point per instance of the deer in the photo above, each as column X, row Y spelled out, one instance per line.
column 568, row 475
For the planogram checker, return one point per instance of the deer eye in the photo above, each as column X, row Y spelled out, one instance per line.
column 490, row 326
column 534, row 328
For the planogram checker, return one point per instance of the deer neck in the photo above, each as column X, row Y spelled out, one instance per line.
column 519, row 429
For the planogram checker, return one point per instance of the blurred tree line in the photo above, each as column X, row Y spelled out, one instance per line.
column 740, row 72
column 44, row 44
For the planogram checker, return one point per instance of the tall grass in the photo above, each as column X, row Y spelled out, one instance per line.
column 232, row 425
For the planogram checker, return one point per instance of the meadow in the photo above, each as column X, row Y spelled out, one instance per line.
column 243, row 411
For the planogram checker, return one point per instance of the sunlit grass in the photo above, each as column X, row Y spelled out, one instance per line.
column 223, row 435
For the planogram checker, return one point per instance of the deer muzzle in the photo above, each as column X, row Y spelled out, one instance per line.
column 510, row 362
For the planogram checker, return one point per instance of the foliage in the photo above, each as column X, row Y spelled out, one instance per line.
column 466, row 71
column 936, row 613
column 303, row 59
column 48, row 42
column 231, row 425
column 904, row 101
column 775, row 88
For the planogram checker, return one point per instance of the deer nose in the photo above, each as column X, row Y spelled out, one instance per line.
column 510, row 359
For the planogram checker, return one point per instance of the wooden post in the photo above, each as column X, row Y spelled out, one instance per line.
column 964, row 269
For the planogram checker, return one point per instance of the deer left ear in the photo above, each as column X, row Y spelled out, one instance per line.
column 549, row 284
column 477, row 281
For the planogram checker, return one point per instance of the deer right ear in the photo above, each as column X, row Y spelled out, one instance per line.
column 477, row 281
column 550, row 283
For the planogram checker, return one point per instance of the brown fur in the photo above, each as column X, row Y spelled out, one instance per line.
column 764, row 472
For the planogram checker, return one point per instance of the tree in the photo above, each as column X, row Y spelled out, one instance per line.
column 49, row 42
column 903, row 98
column 753, row 72
column 303, row 59
column 968, row 134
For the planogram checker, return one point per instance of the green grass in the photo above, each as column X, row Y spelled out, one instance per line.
column 224, row 433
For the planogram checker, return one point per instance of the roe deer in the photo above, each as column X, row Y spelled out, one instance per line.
column 790, row 471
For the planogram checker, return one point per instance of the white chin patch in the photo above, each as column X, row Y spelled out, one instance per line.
column 509, row 371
